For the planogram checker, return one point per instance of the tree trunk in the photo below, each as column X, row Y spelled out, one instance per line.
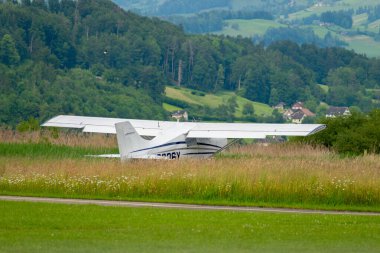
column 179, row 73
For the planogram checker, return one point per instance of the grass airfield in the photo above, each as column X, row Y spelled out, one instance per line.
column 36, row 164
column 37, row 227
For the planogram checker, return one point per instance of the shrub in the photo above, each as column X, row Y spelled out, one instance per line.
column 353, row 135
column 31, row 124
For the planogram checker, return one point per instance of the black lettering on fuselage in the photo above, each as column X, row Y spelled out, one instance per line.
column 172, row 155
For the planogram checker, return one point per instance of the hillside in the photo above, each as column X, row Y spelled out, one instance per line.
column 91, row 57
column 253, row 19
column 175, row 7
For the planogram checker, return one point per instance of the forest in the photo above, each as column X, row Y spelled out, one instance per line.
column 299, row 36
column 90, row 57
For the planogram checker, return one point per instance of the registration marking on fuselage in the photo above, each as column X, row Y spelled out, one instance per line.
column 170, row 155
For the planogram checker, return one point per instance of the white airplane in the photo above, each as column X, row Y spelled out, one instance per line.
column 152, row 139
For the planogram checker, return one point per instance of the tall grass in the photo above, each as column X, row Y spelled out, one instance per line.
column 71, row 138
column 277, row 175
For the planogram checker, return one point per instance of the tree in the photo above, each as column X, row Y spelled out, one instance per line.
column 354, row 135
column 248, row 109
column 26, row 2
column 343, row 76
column 219, row 79
column 274, row 97
column 232, row 104
column 8, row 51
column 40, row 4
column 54, row 6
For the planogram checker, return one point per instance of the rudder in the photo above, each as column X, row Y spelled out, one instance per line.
column 128, row 139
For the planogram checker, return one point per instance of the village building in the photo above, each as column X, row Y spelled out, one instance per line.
column 297, row 117
column 287, row 115
column 280, row 106
column 297, row 106
column 307, row 112
column 335, row 111
column 297, row 113
column 180, row 115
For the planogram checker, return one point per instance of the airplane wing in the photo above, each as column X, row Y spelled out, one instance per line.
column 107, row 125
column 195, row 129
column 252, row 130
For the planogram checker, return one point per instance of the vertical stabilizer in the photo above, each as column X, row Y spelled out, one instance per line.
column 128, row 139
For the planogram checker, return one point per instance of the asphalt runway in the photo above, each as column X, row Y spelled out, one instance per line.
column 180, row 206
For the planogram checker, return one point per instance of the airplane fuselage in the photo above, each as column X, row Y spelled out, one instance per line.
column 182, row 148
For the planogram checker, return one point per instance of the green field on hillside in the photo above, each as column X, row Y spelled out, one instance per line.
column 363, row 45
column 339, row 5
column 41, row 227
column 359, row 19
column 170, row 108
column 374, row 26
column 214, row 100
column 248, row 28
column 258, row 4
column 325, row 88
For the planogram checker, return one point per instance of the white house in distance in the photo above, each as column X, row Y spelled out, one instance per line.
column 335, row 111
column 297, row 113
column 178, row 115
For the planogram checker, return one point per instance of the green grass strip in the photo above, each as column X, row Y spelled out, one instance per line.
column 41, row 227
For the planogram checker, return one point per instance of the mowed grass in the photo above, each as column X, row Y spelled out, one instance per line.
column 277, row 175
column 41, row 227
column 214, row 100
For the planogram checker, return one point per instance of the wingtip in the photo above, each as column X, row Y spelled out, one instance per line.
column 317, row 129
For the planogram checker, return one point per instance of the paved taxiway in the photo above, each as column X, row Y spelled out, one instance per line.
column 180, row 206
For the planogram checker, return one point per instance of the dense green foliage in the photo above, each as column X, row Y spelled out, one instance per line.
column 47, row 54
column 373, row 12
column 90, row 57
column 299, row 36
column 355, row 135
column 74, row 91
column 340, row 18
